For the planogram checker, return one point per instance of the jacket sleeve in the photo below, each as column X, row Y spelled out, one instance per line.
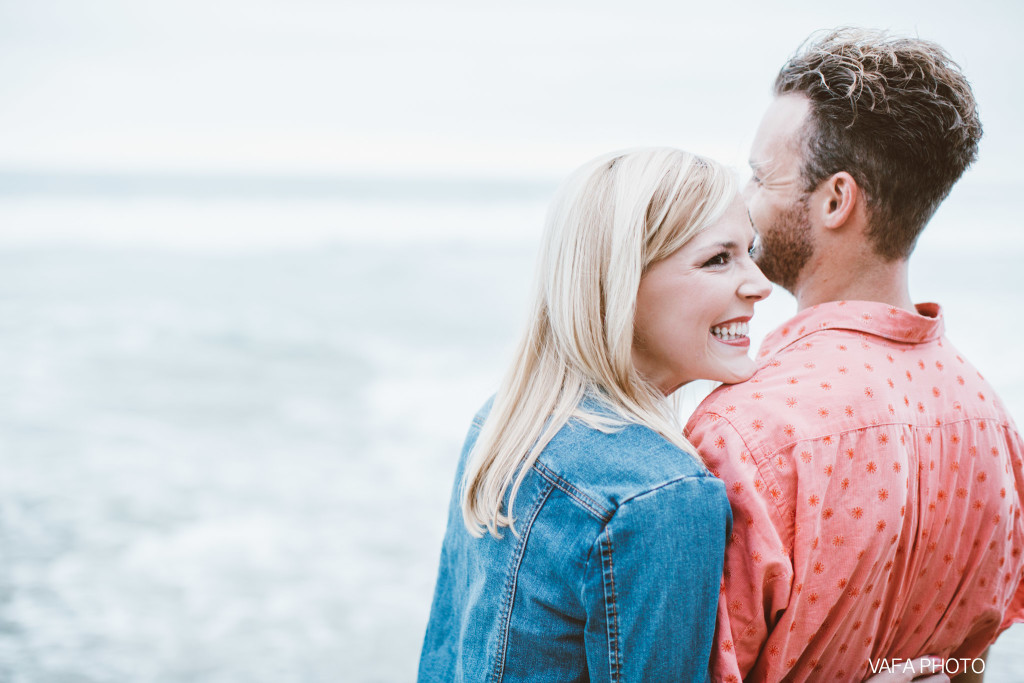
column 651, row 584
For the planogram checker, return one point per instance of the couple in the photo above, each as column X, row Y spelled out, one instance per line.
column 852, row 498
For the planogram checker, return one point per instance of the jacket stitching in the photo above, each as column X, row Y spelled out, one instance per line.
column 612, row 609
column 700, row 477
column 573, row 492
column 508, row 595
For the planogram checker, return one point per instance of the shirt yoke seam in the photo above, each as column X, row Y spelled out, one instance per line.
column 770, row 453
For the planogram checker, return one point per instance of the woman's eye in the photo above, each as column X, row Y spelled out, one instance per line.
column 717, row 260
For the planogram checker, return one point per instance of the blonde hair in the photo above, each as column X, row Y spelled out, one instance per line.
column 611, row 220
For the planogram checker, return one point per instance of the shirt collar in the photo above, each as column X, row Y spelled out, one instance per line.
column 870, row 317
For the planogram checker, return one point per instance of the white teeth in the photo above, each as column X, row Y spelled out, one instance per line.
column 731, row 331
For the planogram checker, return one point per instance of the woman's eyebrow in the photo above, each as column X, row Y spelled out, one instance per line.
column 719, row 245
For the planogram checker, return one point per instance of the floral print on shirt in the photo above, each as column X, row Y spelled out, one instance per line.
column 876, row 482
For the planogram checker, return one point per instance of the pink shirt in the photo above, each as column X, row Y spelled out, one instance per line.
column 876, row 483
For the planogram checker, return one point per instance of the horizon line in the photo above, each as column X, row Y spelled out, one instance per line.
column 289, row 185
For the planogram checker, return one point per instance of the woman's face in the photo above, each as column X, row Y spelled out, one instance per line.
column 693, row 307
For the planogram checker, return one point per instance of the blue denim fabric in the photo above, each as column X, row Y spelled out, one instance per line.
column 614, row 575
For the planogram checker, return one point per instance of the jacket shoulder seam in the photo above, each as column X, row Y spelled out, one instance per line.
column 585, row 501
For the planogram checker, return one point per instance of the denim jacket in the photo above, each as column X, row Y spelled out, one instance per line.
column 614, row 575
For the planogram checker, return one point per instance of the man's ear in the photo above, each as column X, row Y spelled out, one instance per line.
column 836, row 199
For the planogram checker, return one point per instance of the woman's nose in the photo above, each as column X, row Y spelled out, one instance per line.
column 756, row 286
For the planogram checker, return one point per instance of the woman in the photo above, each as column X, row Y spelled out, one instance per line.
column 585, row 539
column 606, row 534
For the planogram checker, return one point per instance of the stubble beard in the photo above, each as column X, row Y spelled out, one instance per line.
column 787, row 246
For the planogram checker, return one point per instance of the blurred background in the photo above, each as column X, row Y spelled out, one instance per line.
column 261, row 261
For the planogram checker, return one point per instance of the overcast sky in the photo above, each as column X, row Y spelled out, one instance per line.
column 435, row 88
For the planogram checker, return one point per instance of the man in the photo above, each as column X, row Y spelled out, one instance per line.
column 874, row 475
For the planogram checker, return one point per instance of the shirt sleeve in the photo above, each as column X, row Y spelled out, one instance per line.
column 651, row 584
column 757, row 576
column 1015, row 611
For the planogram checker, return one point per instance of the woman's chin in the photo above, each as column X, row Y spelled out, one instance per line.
column 736, row 372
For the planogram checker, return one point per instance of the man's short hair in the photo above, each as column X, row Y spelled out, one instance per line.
column 895, row 113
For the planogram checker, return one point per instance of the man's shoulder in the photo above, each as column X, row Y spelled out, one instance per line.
column 745, row 411
column 786, row 369
column 792, row 392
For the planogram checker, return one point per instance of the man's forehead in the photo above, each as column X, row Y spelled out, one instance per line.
column 788, row 111
column 779, row 131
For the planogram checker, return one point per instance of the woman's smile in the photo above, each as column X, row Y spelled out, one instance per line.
column 733, row 332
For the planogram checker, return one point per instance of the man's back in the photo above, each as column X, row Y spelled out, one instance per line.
column 875, row 481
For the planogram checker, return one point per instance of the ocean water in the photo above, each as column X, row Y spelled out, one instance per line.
column 228, row 428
